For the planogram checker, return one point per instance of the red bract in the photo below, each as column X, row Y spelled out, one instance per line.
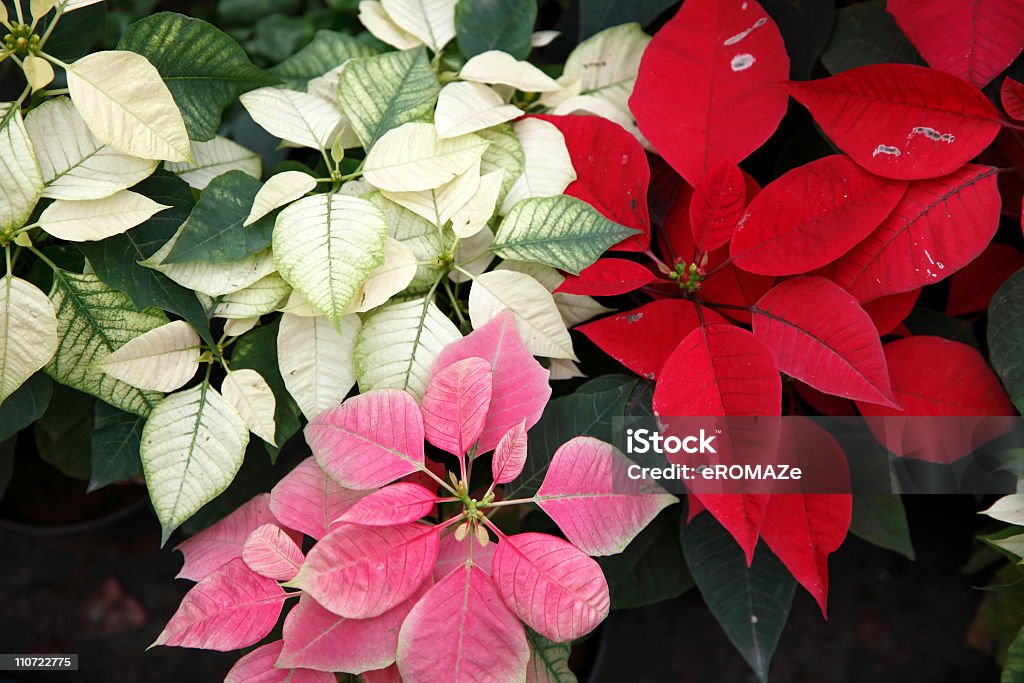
column 1011, row 93
column 973, row 40
column 717, row 205
column 811, row 216
column 901, row 121
column 709, row 85
column 608, row 277
column 939, row 226
column 611, row 173
column 436, row 596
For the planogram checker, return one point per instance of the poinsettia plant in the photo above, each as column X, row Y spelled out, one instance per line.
column 405, row 572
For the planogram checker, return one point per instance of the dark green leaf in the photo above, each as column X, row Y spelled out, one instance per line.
column 204, row 68
column 6, row 463
column 1006, row 336
column 580, row 414
column 597, row 15
column 76, row 32
column 62, row 433
column 866, row 34
column 930, row 322
column 327, row 50
column 116, row 259
column 751, row 604
column 549, row 661
column 651, row 568
column 257, row 350
column 214, row 230
column 279, row 36
column 26, row 405
column 245, row 12
column 805, row 26
column 881, row 520
column 116, row 439
column 1013, row 669
column 504, row 25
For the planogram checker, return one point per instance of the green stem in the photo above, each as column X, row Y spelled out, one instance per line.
column 42, row 257
column 514, row 501
column 455, row 303
column 56, row 62
column 53, row 24
column 7, row 257
column 17, row 11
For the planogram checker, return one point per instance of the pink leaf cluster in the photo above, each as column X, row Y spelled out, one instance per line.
column 406, row 581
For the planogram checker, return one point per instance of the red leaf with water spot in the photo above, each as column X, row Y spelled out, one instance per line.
column 608, row 277
column 717, row 205
column 973, row 40
column 821, row 336
column 939, row 226
column 708, row 87
column 971, row 288
column 612, row 174
column 811, row 216
column 1011, row 94
column 644, row 338
column 901, row 121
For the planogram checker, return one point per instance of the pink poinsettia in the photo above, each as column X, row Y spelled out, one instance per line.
column 410, row 579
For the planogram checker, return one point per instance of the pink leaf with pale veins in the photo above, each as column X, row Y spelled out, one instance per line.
column 361, row 572
column 369, row 440
column 510, row 455
column 589, row 495
column 222, row 541
column 455, row 405
column 316, row 638
column 233, row 607
column 462, row 632
column 399, row 503
column 310, row 501
column 258, row 667
column 551, row 585
column 269, row 552
column 520, row 385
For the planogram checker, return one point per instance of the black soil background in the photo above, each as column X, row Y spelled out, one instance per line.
column 106, row 594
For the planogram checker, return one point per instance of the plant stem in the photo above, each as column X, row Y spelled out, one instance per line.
column 514, row 501
column 42, row 257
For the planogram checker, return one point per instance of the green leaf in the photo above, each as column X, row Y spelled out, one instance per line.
column 651, row 568
column 751, row 604
column 62, row 434
column 597, row 15
column 6, row 463
column 214, row 230
column 245, row 12
column 504, row 25
column 1006, row 336
column 926, row 321
column 93, row 321
column 881, row 520
column 325, row 246
column 561, row 231
column 549, row 661
column 805, row 26
column 865, row 34
column 203, row 67
column 77, row 31
column 116, row 439
column 192, row 446
column 1013, row 668
column 116, row 259
column 327, row 50
column 382, row 92
column 26, row 405
column 257, row 350
column 584, row 413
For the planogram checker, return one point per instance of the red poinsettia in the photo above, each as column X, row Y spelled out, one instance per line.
column 803, row 276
